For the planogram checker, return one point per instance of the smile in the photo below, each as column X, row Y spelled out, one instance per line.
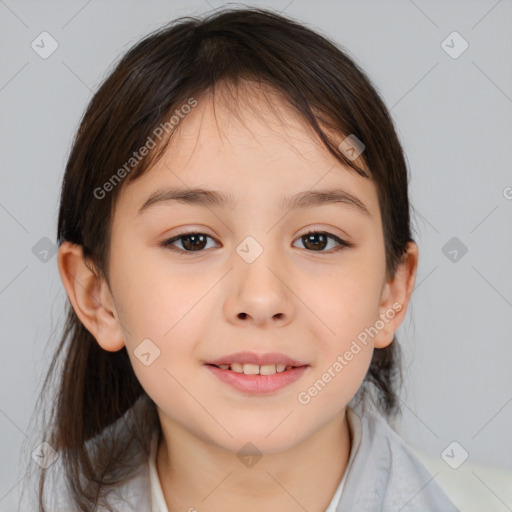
column 254, row 369
column 257, row 383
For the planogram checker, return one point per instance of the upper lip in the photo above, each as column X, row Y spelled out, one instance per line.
column 259, row 359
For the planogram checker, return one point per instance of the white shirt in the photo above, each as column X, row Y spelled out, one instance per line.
column 157, row 496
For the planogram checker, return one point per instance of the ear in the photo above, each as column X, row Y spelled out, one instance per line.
column 395, row 297
column 90, row 297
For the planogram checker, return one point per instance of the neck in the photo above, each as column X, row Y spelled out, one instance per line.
column 197, row 475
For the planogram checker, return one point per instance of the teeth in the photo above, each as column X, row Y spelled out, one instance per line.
column 251, row 369
column 268, row 369
column 254, row 369
column 237, row 367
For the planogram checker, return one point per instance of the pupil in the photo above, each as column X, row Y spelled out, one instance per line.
column 310, row 239
column 194, row 238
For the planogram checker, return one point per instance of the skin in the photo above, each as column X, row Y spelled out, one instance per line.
column 307, row 303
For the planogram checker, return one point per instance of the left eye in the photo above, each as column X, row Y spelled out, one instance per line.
column 313, row 240
column 318, row 239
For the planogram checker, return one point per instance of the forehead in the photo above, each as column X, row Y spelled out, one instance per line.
column 251, row 144
column 251, row 119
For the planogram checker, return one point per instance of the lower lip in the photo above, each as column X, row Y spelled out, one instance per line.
column 258, row 384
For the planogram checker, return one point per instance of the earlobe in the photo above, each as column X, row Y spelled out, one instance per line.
column 90, row 297
column 395, row 297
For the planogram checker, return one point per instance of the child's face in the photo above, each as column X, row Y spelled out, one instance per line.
column 298, row 298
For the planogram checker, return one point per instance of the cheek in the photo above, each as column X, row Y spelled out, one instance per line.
column 164, row 317
column 347, row 300
column 162, row 329
column 333, row 386
column 345, row 351
column 156, row 298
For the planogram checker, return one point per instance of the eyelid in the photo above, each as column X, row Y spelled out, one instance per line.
column 342, row 243
column 167, row 243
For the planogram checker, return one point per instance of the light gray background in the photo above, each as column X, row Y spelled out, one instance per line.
column 454, row 118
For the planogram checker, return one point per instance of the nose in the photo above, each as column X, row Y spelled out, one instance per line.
column 260, row 292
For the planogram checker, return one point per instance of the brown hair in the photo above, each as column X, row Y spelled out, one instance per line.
column 185, row 59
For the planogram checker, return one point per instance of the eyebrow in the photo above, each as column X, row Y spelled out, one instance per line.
column 211, row 198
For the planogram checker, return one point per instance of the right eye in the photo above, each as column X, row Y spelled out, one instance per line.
column 190, row 242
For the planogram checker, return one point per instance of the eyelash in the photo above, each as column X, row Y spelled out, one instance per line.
column 342, row 243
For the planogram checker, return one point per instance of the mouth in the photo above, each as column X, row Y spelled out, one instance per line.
column 257, row 373
column 255, row 369
column 251, row 363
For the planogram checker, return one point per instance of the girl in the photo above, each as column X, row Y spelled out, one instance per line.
column 236, row 249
